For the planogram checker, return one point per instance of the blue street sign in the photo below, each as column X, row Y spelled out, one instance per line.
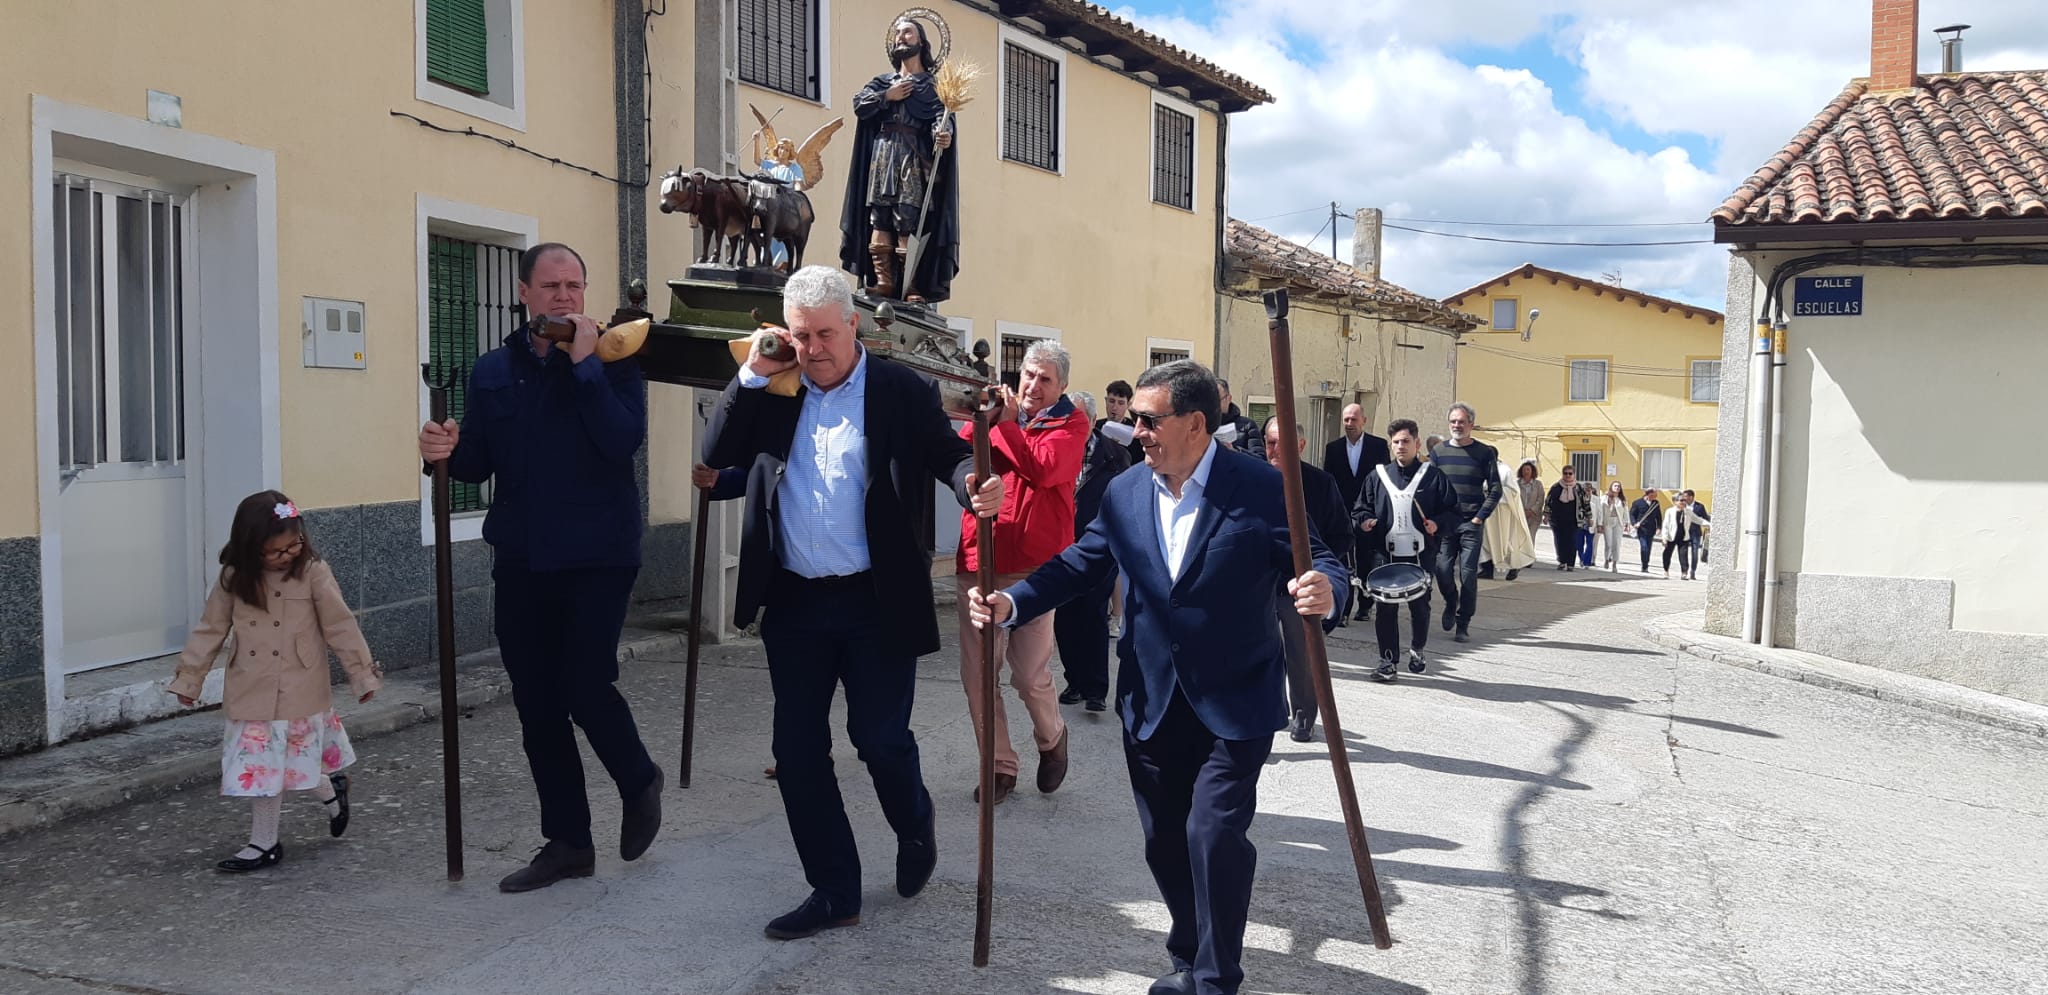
column 1827, row 296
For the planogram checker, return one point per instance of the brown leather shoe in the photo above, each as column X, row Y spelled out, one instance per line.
column 1005, row 783
column 883, row 255
column 1052, row 765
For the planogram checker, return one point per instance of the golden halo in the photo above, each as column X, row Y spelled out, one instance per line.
column 929, row 19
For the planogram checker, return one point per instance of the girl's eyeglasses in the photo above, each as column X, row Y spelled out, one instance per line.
column 288, row 551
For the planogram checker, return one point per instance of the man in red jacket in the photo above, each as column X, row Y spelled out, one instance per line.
column 1036, row 439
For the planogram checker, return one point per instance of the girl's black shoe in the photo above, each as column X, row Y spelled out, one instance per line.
column 338, row 822
column 243, row 865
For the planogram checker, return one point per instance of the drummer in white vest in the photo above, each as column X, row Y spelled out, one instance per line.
column 1404, row 505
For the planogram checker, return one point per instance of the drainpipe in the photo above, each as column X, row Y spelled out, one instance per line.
column 1768, row 634
column 1221, row 273
column 1755, row 484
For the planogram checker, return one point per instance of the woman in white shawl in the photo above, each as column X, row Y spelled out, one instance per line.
column 1610, row 519
column 1507, row 540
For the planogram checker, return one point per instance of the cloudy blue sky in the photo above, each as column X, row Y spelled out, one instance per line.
column 1540, row 112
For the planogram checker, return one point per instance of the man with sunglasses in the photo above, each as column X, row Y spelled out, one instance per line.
column 1200, row 692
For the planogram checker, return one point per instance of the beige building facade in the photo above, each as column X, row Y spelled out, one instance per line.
column 230, row 272
column 1356, row 339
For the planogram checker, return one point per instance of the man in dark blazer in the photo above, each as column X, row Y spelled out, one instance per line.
column 1081, row 626
column 830, row 556
column 1330, row 516
column 1200, row 690
column 1349, row 460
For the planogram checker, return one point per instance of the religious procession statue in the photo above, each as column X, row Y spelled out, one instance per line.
column 900, row 229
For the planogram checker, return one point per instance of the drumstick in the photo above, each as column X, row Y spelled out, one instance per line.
column 1317, row 652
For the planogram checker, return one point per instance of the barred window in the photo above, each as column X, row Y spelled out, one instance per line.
column 1160, row 356
column 1031, row 108
column 1589, row 380
column 1706, row 381
column 471, row 296
column 1173, row 157
column 778, row 45
column 1014, row 347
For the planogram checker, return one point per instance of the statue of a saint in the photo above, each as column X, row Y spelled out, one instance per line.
column 901, row 126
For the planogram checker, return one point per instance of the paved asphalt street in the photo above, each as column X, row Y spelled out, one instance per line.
column 1558, row 806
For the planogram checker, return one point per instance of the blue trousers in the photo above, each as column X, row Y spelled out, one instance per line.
column 1196, row 795
column 558, row 633
column 820, row 636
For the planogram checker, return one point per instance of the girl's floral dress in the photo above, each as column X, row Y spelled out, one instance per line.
column 264, row 758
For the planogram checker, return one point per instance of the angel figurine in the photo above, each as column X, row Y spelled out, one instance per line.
column 801, row 167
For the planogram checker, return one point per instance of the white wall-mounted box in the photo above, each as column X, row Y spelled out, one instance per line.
column 334, row 334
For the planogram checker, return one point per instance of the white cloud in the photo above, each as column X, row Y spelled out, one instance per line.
column 1370, row 110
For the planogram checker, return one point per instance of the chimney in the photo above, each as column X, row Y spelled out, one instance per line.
column 1952, row 47
column 1365, row 242
column 1894, row 44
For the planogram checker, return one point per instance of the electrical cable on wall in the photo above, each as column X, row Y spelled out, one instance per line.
column 515, row 146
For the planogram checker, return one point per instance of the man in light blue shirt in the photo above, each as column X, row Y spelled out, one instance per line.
column 833, row 561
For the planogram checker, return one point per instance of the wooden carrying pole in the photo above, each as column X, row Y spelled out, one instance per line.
column 985, row 579
column 696, row 630
column 1318, row 653
column 444, row 610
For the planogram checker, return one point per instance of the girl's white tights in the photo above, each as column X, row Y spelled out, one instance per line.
column 264, row 814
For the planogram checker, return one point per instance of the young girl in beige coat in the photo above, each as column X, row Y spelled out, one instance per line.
column 279, row 605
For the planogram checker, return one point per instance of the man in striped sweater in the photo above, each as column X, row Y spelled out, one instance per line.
column 1469, row 463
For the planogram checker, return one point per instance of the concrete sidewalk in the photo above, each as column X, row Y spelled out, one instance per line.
column 153, row 759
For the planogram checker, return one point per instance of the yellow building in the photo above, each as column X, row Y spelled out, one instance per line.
column 1622, row 385
column 230, row 270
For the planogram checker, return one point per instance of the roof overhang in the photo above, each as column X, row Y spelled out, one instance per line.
column 1871, row 231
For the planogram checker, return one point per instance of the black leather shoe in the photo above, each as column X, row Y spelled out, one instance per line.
column 642, row 820
column 1303, row 728
column 915, row 859
column 1177, row 983
column 1097, row 705
column 243, row 865
column 555, row 862
column 1450, row 616
column 814, row 916
column 338, row 822
column 1461, row 635
column 1070, row 697
column 1512, row 574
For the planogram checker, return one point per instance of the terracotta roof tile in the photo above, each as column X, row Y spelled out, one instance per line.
column 1262, row 253
column 1530, row 271
column 1243, row 92
column 1962, row 146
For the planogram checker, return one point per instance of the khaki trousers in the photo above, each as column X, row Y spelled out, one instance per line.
column 1029, row 648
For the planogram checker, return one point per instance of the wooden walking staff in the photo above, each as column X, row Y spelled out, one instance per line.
column 696, row 630
column 1318, row 653
column 444, row 609
column 985, row 580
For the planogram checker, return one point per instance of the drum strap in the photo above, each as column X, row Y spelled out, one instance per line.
column 1404, row 538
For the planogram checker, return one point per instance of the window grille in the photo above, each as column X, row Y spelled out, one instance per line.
column 1031, row 126
column 120, row 324
column 1173, row 158
column 472, row 295
column 1706, row 381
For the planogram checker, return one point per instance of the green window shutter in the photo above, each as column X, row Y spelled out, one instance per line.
column 458, row 45
column 452, row 336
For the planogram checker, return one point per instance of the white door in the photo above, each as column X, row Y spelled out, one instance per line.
column 129, row 569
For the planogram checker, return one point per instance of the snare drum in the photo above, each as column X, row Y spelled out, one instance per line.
column 1397, row 583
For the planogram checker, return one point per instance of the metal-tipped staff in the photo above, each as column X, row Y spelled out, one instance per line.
column 444, row 609
column 1318, row 653
column 954, row 83
column 985, row 579
column 696, row 630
